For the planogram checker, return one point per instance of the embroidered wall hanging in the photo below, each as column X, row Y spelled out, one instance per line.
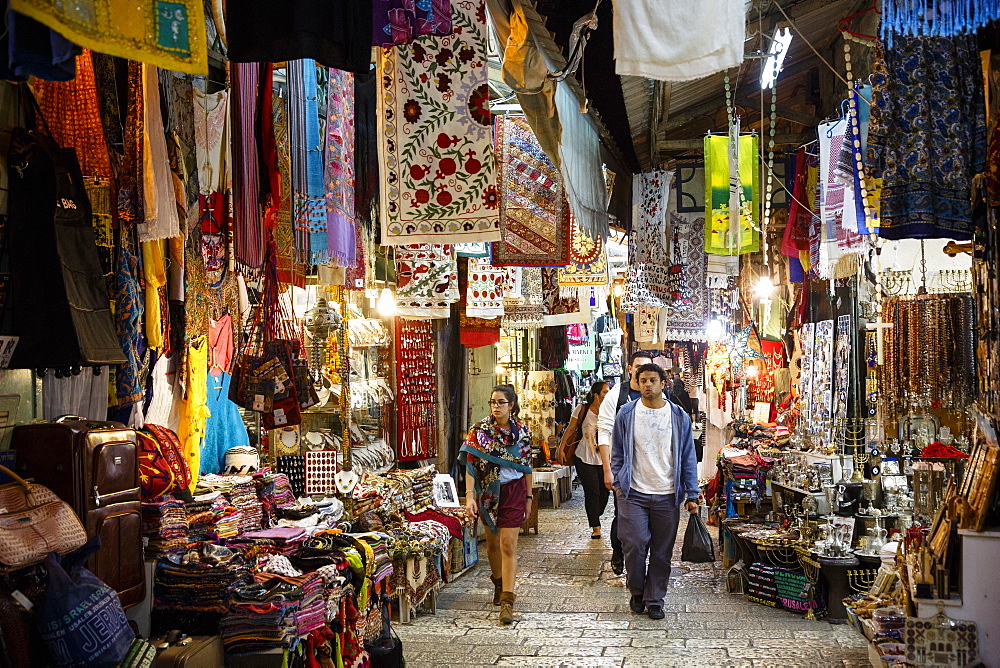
column 588, row 262
column 426, row 280
column 170, row 34
column 435, row 141
column 534, row 216
column 687, row 321
column 648, row 242
column 484, row 296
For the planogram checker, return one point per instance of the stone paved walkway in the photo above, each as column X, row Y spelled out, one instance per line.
column 572, row 611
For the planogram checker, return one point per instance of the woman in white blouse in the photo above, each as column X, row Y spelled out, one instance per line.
column 579, row 448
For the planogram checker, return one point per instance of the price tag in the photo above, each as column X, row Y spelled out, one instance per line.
column 279, row 416
column 22, row 599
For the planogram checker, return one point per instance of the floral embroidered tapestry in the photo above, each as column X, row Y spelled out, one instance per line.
column 534, row 216
column 435, row 141
column 427, row 280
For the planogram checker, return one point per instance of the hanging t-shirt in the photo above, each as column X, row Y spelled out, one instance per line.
column 653, row 458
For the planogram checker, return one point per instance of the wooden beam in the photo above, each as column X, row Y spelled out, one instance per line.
column 698, row 144
column 782, row 112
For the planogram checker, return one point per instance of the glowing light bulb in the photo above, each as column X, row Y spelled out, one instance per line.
column 752, row 371
column 764, row 287
column 714, row 330
column 500, row 370
column 386, row 303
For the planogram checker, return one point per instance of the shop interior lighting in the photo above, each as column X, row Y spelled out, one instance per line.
column 775, row 58
column 764, row 288
column 714, row 331
column 751, row 371
column 386, row 303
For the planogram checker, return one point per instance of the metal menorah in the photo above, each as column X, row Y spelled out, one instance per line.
column 861, row 580
column 853, row 433
column 895, row 282
column 955, row 280
column 810, row 568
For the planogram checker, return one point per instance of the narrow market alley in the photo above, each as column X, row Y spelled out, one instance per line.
column 571, row 610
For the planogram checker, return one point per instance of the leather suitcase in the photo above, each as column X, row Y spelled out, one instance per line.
column 93, row 467
column 201, row 652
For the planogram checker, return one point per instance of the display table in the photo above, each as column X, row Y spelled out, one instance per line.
column 555, row 480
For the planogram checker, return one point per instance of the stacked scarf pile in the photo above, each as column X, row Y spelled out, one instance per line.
column 379, row 543
column 284, row 495
column 199, row 581
column 261, row 617
column 164, row 525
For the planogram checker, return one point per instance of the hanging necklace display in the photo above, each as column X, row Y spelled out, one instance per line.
column 346, row 478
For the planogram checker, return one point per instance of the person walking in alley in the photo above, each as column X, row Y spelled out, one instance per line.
column 580, row 437
column 616, row 398
column 497, row 456
column 655, row 472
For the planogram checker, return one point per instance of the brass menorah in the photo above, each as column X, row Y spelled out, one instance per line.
column 955, row 280
column 895, row 282
column 810, row 568
column 853, row 433
column 861, row 580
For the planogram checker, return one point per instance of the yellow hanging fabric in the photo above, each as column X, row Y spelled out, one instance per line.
column 194, row 410
column 154, row 268
column 170, row 34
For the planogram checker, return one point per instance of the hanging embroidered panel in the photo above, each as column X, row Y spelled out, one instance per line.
column 721, row 238
column 523, row 298
column 588, row 261
column 484, row 296
column 687, row 321
column 435, row 141
column 426, row 280
column 170, row 34
column 534, row 215
column 339, row 168
column 648, row 242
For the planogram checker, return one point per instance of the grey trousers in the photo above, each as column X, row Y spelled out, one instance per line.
column 647, row 527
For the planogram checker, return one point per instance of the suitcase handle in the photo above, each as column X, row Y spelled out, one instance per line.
column 64, row 418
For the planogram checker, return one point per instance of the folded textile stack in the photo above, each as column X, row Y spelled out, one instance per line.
column 227, row 518
column 312, row 611
column 199, row 580
column 284, row 495
column 164, row 524
column 201, row 520
column 426, row 538
column 244, row 497
column 453, row 523
column 404, row 490
column 263, row 481
column 419, row 488
column 261, row 617
column 374, row 492
column 380, row 545
column 286, row 539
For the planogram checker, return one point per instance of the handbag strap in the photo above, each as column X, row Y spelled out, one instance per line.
column 18, row 479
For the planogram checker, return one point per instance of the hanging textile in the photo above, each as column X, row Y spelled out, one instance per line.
column 194, row 411
column 366, row 164
column 927, row 161
column 396, row 22
column 339, row 165
column 676, row 40
column 534, row 216
column 334, row 33
column 650, row 196
column 720, row 237
column 73, row 116
column 800, row 214
column 581, row 165
column 645, row 324
column 479, row 318
column 129, row 380
column 473, row 249
column 309, row 203
column 212, row 139
column 484, row 296
column 160, row 203
column 99, row 194
column 588, row 261
column 170, row 35
column 289, row 271
column 435, row 141
column 686, row 321
column 851, row 167
column 426, row 281
column 30, row 49
column 129, row 179
column 941, row 19
column 523, row 298
column 560, row 309
column 248, row 227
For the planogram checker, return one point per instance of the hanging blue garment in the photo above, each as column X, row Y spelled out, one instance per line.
column 224, row 427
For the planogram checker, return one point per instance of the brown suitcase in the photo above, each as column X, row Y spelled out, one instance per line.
column 93, row 466
column 201, row 652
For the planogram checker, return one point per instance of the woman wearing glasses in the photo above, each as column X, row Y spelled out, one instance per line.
column 497, row 457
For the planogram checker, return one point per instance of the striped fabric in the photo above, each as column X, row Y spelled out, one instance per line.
column 248, row 226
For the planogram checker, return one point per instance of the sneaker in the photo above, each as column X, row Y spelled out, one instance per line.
column 617, row 564
column 656, row 612
column 636, row 605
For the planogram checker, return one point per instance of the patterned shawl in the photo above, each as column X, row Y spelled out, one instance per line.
column 486, row 450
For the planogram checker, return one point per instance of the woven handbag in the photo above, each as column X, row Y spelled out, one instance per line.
column 33, row 523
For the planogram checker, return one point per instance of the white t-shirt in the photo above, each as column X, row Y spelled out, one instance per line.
column 586, row 449
column 653, row 461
